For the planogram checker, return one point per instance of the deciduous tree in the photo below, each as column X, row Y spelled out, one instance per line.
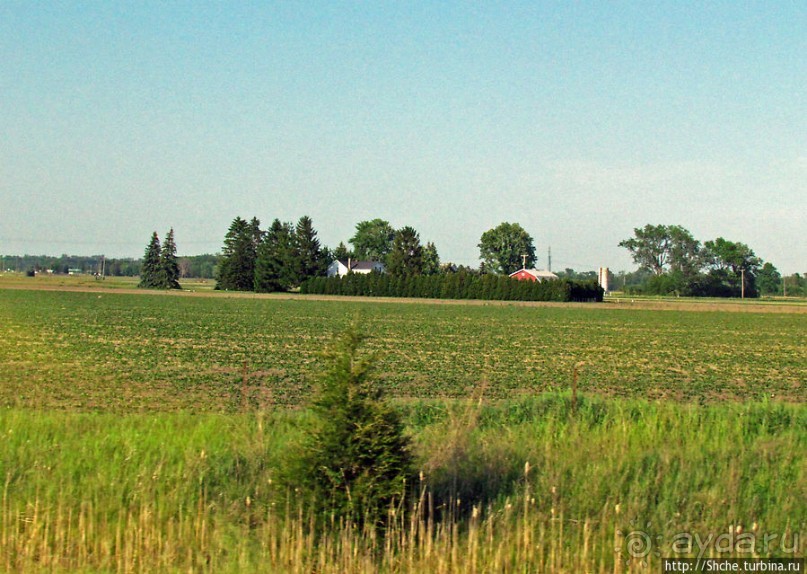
column 502, row 248
column 769, row 280
column 649, row 247
column 668, row 250
column 373, row 240
column 431, row 260
column 734, row 261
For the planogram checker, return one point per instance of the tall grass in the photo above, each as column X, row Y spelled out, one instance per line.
column 517, row 486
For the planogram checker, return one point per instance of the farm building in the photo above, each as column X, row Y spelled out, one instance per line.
column 341, row 267
column 533, row 275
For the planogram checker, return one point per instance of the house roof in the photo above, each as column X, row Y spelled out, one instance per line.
column 365, row 264
column 537, row 273
column 360, row 265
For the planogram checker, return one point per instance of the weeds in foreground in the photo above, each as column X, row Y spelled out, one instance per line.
column 176, row 492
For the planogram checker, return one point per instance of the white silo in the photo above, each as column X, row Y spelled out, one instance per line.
column 602, row 278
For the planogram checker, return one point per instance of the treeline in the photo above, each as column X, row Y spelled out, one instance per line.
column 64, row 264
column 679, row 264
column 198, row 266
column 460, row 285
column 277, row 259
column 284, row 256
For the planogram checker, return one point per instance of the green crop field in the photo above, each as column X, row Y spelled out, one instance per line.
column 147, row 432
column 123, row 351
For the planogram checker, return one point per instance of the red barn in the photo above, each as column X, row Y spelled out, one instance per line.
column 533, row 275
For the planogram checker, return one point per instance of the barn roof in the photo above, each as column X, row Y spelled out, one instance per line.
column 537, row 273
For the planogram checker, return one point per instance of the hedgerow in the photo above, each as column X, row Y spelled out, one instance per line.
column 453, row 286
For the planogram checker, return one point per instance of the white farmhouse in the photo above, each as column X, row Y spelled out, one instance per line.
column 341, row 267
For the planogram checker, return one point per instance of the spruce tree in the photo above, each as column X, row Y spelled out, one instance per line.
column 357, row 460
column 169, row 267
column 275, row 268
column 406, row 257
column 311, row 261
column 149, row 272
column 342, row 253
column 237, row 264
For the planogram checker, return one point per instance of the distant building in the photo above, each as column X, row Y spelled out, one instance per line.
column 533, row 275
column 602, row 278
column 341, row 267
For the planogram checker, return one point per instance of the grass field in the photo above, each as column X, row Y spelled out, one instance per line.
column 144, row 432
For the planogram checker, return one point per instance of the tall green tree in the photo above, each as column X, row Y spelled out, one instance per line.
column 276, row 268
column 406, row 256
column 731, row 255
column 237, row 263
column 671, row 253
column 342, row 253
column 169, row 267
column 735, row 263
column 795, row 285
column 502, row 248
column 373, row 240
column 149, row 272
column 769, row 280
column 311, row 259
column 431, row 260
column 685, row 256
column 650, row 247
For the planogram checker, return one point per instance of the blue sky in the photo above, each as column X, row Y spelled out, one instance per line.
column 578, row 120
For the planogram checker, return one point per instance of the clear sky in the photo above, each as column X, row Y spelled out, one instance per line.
column 578, row 120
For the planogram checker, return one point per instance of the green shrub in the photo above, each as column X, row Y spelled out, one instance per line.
column 356, row 462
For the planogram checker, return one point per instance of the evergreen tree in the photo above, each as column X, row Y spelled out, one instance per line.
column 342, row 253
column 169, row 267
column 357, row 459
column 311, row 260
column 237, row 264
column 275, row 268
column 149, row 272
column 406, row 257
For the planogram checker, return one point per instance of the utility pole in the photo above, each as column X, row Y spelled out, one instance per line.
column 742, row 283
column 523, row 261
column 549, row 258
